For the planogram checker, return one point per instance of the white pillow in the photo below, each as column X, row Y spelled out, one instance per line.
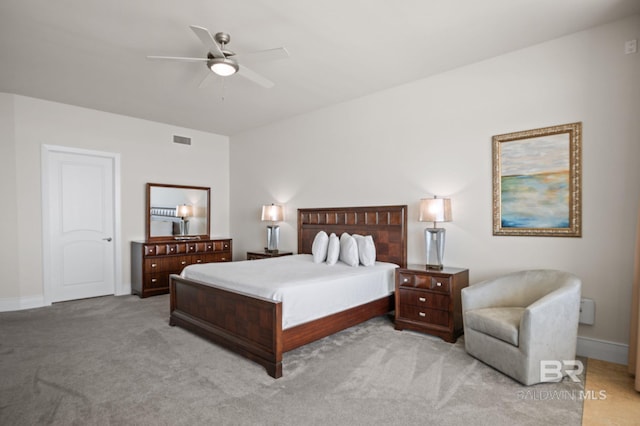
column 349, row 250
column 333, row 252
column 366, row 249
column 319, row 247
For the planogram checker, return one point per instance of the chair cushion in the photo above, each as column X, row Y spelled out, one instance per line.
column 501, row 323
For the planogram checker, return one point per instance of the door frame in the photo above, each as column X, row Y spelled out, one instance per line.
column 46, row 151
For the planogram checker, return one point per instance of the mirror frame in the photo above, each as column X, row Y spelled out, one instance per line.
column 148, row 236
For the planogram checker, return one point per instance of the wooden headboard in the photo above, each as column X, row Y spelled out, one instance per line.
column 386, row 224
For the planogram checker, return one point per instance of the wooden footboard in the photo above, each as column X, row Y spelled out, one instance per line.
column 248, row 325
column 252, row 326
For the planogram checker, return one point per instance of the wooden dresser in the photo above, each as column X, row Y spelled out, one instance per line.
column 153, row 262
column 429, row 300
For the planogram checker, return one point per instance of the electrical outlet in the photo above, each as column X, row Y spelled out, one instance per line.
column 631, row 46
column 587, row 311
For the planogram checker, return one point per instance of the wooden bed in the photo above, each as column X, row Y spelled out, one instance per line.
column 252, row 326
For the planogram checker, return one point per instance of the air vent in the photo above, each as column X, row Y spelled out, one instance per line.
column 181, row 139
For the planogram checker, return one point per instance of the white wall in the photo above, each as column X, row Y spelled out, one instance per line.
column 8, row 228
column 147, row 154
column 433, row 136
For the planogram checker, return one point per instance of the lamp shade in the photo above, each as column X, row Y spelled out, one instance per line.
column 435, row 210
column 273, row 213
column 184, row 210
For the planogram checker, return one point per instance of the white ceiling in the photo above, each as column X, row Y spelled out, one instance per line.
column 92, row 53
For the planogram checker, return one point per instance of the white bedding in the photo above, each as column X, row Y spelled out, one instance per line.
column 307, row 290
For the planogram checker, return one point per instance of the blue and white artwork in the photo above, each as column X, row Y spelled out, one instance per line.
column 535, row 182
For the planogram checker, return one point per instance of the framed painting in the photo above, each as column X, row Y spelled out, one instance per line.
column 537, row 182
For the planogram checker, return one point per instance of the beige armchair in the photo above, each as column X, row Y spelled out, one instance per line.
column 515, row 321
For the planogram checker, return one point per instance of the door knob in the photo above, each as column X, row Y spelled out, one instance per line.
column 108, row 239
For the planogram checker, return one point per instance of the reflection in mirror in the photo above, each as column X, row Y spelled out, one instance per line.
column 177, row 212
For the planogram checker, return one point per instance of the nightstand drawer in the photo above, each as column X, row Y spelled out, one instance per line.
column 425, row 315
column 423, row 299
column 429, row 282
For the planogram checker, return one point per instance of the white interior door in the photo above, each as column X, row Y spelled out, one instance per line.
column 79, row 206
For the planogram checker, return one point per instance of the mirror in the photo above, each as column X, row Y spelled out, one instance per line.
column 177, row 212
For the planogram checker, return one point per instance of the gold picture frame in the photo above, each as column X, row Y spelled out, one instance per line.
column 537, row 182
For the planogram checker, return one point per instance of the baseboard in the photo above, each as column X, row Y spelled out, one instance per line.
column 601, row 349
column 20, row 303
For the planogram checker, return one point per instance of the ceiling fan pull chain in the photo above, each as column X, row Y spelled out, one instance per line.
column 224, row 88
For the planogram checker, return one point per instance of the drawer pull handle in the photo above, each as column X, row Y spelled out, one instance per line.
column 184, row 262
column 439, row 284
column 199, row 261
column 405, row 280
column 153, row 280
column 153, row 265
column 422, row 314
column 422, row 299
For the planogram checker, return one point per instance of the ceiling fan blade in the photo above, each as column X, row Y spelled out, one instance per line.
column 265, row 55
column 255, row 77
column 207, row 39
column 178, row 58
column 208, row 77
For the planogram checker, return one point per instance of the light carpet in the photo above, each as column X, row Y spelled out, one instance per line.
column 115, row 360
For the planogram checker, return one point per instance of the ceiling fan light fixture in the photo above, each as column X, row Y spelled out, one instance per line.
column 223, row 66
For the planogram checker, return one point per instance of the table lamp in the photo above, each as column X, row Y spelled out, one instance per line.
column 272, row 213
column 435, row 210
column 184, row 211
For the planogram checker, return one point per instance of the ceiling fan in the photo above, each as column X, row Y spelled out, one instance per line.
column 224, row 62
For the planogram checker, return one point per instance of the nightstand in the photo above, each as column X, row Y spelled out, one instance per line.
column 254, row 255
column 428, row 300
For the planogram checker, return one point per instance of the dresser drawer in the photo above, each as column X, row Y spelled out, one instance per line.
column 219, row 257
column 425, row 315
column 224, row 245
column 176, row 248
column 150, row 250
column 156, row 281
column 210, row 257
column 425, row 281
column 166, row 264
column 424, row 299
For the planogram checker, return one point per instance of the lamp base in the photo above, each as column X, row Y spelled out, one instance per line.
column 273, row 251
column 435, row 267
column 434, row 247
column 273, row 238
